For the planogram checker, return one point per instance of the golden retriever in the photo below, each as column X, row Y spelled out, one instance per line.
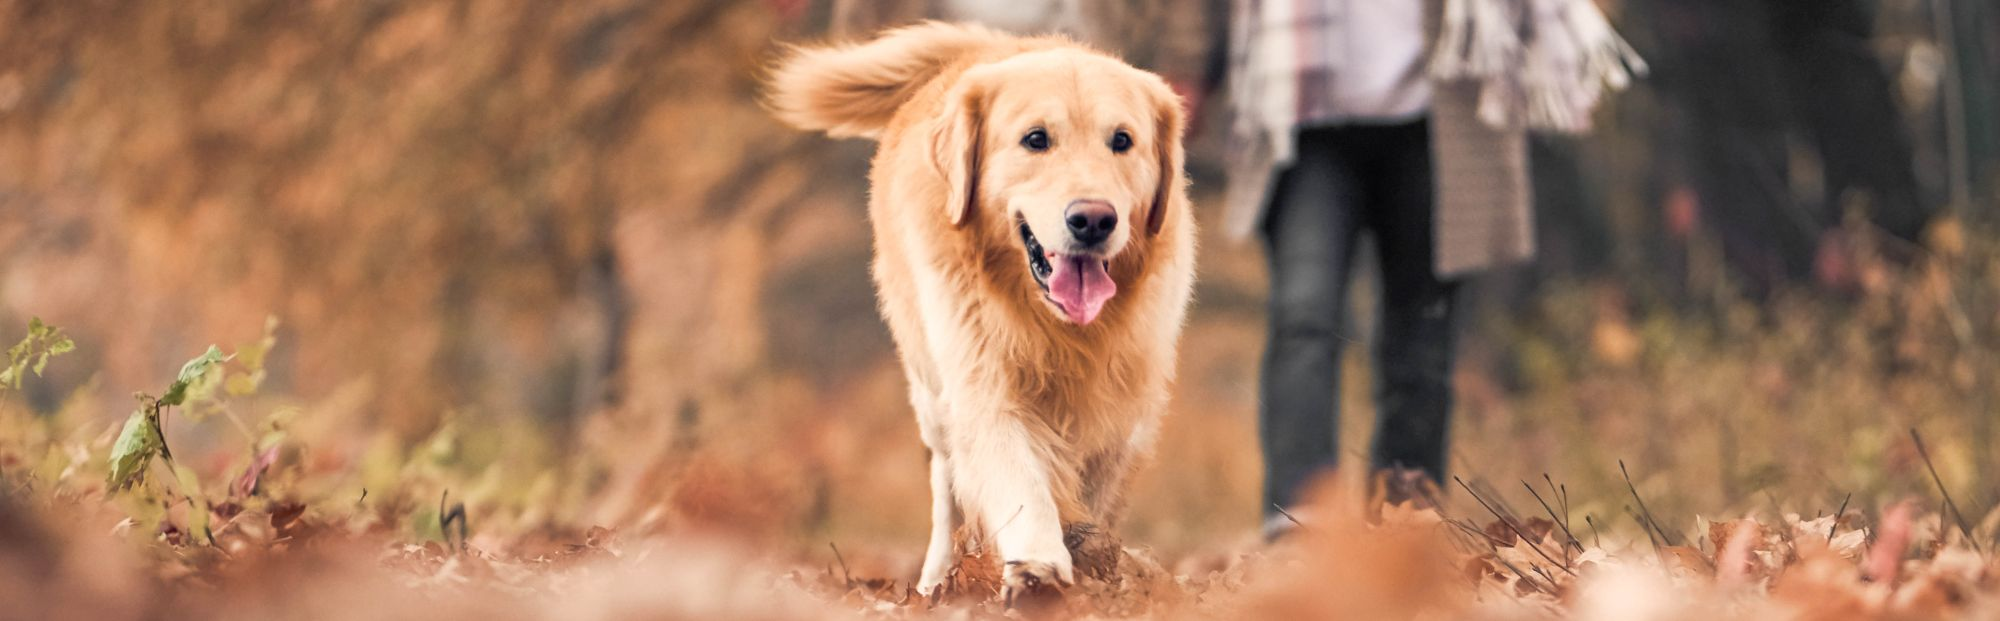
column 1034, row 256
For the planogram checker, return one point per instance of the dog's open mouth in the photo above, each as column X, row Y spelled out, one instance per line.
column 1077, row 284
column 1038, row 259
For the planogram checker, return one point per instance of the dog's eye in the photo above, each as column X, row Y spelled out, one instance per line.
column 1121, row 141
column 1036, row 140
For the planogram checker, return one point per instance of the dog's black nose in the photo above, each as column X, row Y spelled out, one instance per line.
column 1090, row 221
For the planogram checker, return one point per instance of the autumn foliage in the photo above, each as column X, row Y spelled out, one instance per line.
column 440, row 309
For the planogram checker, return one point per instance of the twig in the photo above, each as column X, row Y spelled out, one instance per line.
column 1644, row 527
column 160, row 426
column 445, row 519
column 1836, row 517
column 1495, row 547
column 1949, row 505
column 1645, row 514
column 844, row 574
column 1540, row 571
column 1558, row 520
column 1517, row 530
column 1499, row 501
column 1561, row 494
column 1525, row 577
column 1463, row 537
column 1544, row 574
column 1488, row 539
column 1288, row 516
column 230, row 414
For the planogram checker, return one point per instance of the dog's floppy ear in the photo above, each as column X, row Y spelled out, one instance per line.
column 1167, row 148
column 956, row 146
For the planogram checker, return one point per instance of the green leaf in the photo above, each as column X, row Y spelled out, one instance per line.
column 135, row 448
column 198, row 366
column 193, row 370
column 33, row 352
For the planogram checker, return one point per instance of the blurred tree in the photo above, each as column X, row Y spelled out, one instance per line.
column 1754, row 78
column 436, row 196
column 1970, row 32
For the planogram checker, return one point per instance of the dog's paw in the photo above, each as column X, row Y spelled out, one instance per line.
column 931, row 589
column 1027, row 582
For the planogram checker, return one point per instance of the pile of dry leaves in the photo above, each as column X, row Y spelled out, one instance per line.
column 1405, row 562
column 258, row 553
column 105, row 522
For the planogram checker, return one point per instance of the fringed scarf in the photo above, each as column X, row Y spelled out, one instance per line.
column 1540, row 64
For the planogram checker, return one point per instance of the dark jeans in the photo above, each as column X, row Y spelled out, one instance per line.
column 1346, row 180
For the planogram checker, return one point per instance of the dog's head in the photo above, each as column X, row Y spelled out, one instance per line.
column 1067, row 157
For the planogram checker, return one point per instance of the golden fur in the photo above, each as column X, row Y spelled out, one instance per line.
column 1032, row 419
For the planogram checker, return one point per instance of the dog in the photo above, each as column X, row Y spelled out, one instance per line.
column 1034, row 259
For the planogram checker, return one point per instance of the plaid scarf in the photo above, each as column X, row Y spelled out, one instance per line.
column 1541, row 64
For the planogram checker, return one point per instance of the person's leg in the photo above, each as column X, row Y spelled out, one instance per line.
column 1309, row 234
column 1414, row 330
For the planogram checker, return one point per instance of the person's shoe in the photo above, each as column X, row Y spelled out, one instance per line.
column 1398, row 486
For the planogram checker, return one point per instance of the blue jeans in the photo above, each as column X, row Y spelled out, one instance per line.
column 1345, row 180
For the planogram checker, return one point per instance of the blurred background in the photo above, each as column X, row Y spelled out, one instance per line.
column 564, row 242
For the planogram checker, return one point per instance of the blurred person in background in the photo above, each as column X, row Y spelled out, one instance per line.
column 1405, row 119
column 1756, row 77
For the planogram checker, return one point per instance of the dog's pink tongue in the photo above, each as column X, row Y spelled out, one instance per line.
column 1080, row 285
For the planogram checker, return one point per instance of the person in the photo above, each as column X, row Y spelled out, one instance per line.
column 1405, row 120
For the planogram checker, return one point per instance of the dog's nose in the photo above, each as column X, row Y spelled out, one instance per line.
column 1090, row 221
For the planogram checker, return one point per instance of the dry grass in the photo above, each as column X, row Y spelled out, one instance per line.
column 310, row 515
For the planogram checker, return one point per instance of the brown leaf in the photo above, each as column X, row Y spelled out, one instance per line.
column 285, row 517
column 1688, row 558
column 246, row 484
column 1501, row 534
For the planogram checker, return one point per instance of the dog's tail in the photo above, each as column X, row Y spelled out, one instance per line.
column 854, row 89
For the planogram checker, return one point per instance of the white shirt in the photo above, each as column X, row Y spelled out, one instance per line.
column 1361, row 60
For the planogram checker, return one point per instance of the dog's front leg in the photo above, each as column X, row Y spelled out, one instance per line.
column 1002, row 473
column 938, row 557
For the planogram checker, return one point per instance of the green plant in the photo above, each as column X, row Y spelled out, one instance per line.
column 33, row 352
column 143, row 437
